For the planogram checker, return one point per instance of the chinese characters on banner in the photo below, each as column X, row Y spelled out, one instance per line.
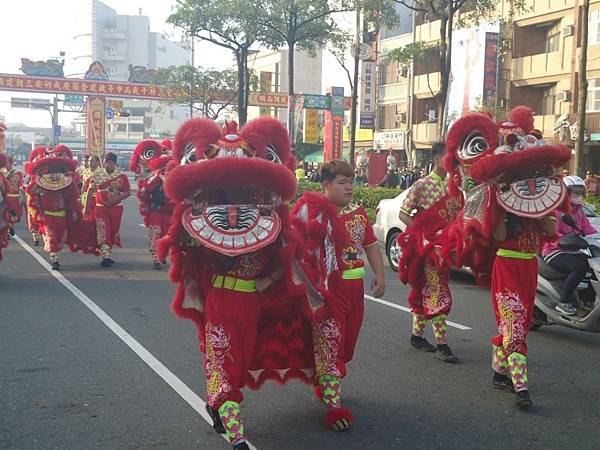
column 490, row 66
column 311, row 126
column 367, row 95
column 94, row 136
column 334, row 118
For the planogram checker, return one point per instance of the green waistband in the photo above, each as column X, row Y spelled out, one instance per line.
column 55, row 213
column 234, row 284
column 354, row 274
column 515, row 254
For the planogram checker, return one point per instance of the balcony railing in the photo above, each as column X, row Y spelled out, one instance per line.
column 428, row 32
column 423, row 88
column 534, row 8
column 538, row 66
column 425, row 133
column 389, row 93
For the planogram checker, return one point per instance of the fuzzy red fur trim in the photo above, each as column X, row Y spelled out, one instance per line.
column 199, row 132
column 166, row 143
column 266, row 131
column 62, row 148
column 522, row 116
column 493, row 166
column 333, row 415
column 183, row 182
column 463, row 127
column 159, row 163
column 51, row 162
column 35, row 154
column 146, row 144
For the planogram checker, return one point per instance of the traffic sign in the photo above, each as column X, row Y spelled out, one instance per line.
column 110, row 113
column 71, row 99
column 57, row 130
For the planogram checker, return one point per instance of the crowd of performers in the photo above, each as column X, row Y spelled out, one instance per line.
column 277, row 294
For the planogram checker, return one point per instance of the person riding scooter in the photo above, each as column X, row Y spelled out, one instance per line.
column 573, row 262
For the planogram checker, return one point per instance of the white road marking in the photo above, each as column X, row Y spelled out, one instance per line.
column 159, row 368
column 408, row 310
column 142, row 225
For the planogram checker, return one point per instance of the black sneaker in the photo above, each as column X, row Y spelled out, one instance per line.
column 444, row 353
column 12, row 231
column 157, row 265
column 105, row 262
column 36, row 243
column 216, row 418
column 523, row 400
column 55, row 265
column 566, row 308
column 241, row 446
column 110, row 260
column 503, row 382
column 420, row 343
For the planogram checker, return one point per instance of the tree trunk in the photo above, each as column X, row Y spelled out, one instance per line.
column 444, row 75
column 240, row 100
column 192, row 76
column 291, row 99
column 583, row 85
column 355, row 84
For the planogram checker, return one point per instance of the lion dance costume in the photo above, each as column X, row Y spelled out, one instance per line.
column 149, row 162
column 233, row 253
column 4, row 206
column 53, row 197
column 498, row 172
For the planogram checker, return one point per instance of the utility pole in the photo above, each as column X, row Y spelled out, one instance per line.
column 192, row 75
column 54, row 115
column 582, row 92
column 353, row 112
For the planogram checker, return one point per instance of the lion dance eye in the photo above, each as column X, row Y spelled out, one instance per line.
column 149, row 153
column 474, row 145
column 272, row 155
column 189, row 155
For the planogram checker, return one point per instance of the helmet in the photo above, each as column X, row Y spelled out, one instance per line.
column 573, row 181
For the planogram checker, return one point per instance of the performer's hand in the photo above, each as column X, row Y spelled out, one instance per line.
column 262, row 284
column 378, row 286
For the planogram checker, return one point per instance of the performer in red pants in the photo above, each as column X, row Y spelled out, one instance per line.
column 337, row 234
column 109, row 209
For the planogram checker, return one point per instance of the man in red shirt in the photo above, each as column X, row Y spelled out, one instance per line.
column 109, row 209
column 337, row 234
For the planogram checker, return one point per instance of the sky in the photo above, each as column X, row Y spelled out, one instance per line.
column 40, row 29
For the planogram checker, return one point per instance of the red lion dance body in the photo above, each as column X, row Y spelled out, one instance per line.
column 149, row 162
column 503, row 188
column 232, row 249
column 53, row 197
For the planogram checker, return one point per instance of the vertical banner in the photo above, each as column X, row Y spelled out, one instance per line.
column 490, row 75
column 266, row 85
column 334, row 124
column 311, row 126
column 95, row 143
column 367, row 95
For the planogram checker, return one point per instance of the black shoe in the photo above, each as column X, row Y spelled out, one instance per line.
column 241, row 446
column 444, row 353
column 110, row 260
column 12, row 232
column 55, row 265
column 157, row 265
column 420, row 343
column 36, row 243
column 523, row 400
column 216, row 418
column 105, row 262
column 503, row 382
column 164, row 262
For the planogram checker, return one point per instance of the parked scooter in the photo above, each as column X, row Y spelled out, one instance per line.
column 550, row 282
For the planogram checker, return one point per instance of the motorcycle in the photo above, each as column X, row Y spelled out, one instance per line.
column 550, row 283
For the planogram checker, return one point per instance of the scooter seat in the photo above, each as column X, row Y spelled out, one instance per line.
column 548, row 272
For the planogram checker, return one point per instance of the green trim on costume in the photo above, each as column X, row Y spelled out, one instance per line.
column 354, row 274
column 515, row 254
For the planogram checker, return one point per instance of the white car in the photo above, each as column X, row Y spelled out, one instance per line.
column 388, row 225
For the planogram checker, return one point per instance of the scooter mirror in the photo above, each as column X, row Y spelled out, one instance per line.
column 566, row 218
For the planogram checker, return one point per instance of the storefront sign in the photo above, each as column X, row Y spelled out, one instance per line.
column 311, row 126
column 389, row 139
column 367, row 94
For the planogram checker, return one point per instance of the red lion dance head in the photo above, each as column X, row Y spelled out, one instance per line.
column 232, row 181
column 144, row 153
column 52, row 168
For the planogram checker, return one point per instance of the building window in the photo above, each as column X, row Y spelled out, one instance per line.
column 594, row 27
column 553, row 39
column 548, row 100
column 593, row 95
column 136, row 128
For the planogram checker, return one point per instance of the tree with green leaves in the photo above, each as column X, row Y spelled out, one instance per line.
column 210, row 92
column 230, row 24
column 451, row 14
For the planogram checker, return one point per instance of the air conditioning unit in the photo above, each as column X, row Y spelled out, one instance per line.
column 431, row 115
column 401, row 118
column 403, row 72
column 563, row 96
column 569, row 30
